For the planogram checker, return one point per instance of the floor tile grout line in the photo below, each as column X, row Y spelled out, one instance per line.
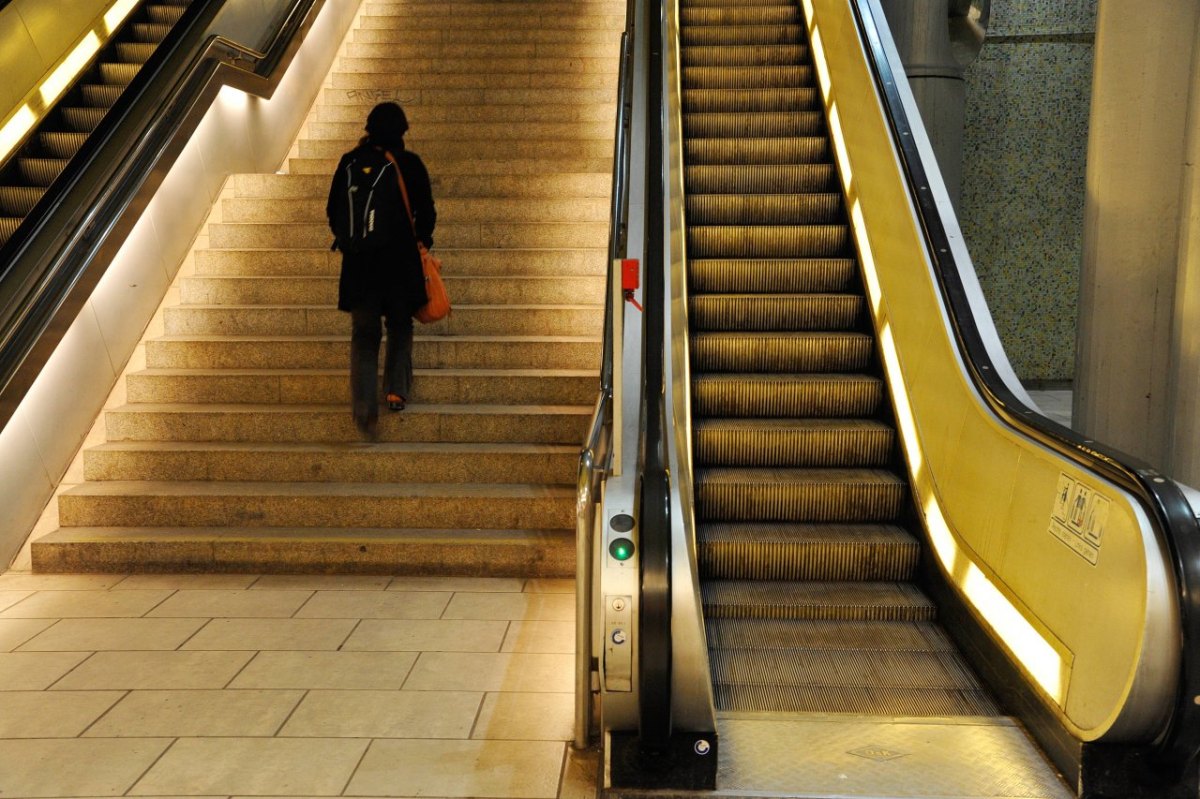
column 69, row 671
column 357, row 766
column 228, row 686
column 124, row 695
column 149, row 768
column 53, row 623
column 301, row 606
column 478, row 715
column 304, row 695
column 563, row 766
column 158, row 604
column 195, row 632
column 349, row 635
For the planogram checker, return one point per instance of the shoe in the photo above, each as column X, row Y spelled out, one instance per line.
column 366, row 422
column 395, row 402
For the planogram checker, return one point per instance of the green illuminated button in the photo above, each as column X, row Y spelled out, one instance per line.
column 621, row 548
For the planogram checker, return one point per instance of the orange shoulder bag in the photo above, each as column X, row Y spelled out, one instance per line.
column 438, row 306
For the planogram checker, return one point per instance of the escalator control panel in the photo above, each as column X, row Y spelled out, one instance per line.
column 618, row 644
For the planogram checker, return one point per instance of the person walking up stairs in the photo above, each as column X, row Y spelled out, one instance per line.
column 235, row 451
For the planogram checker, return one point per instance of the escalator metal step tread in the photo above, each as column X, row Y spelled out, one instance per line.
column 756, row 152
column 769, row 241
column 717, row 124
column 135, row 52
column 732, row 100
column 40, row 171
column 121, row 74
column 103, row 96
column 748, row 77
column 827, row 552
column 764, row 209
column 61, row 144
column 781, row 352
column 739, row 15
column 781, row 599
column 8, row 226
column 150, row 32
column 164, row 14
column 724, row 56
column 83, row 120
column 764, row 275
column 787, row 634
column 19, row 200
column 797, row 494
column 732, row 3
column 745, row 312
column 786, row 395
column 863, row 701
column 792, row 442
column 739, row 35
column 860, row 668
column 757, row 179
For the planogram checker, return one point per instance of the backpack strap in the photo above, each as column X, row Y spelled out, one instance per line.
column 404, row 193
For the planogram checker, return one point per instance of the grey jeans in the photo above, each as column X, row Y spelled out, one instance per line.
column 366, row 331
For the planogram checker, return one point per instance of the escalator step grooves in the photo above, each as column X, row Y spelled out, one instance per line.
column 792, row 442
column 767, row 241
column 740, row 15
column 860, row 668
column 722, row 56
column 756, row 152
column 8, row 226
column 150, row 32
column 785, row 395
column 764, row 312
column 740, row 35
column 787, row 634
column 768, row 209
column 750, row 275
column 83, row 120
column 102, row 96
column 852, row 601
column 862, row 701
column 781, row 352
column 120, row 74
column 775, row 179
column 750, row 100
column 822, row 558
column 19, row 200
column 716, row 124
column 747, row 77
column 59, row 144
column 135, row 52
column 791, row 494
column 729, row 3
column 40, row 171
column 164, row 14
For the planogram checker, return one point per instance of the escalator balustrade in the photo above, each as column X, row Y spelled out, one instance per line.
column 807, row 569
column 26, row 176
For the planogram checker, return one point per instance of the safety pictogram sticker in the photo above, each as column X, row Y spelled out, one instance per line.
column 1078, row 517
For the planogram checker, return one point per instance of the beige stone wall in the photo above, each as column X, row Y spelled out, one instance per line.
column 34, row 35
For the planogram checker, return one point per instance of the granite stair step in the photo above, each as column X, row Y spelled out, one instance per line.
column 438, row 82
column 465, row 290
column 531, row 67
column 354, row 108
column 417, row 98
column 467, row 148
column 421, row 133
column 497, row 234
column 478, row 165
column 447, row 51
column 455, row 261
column 452, row 211
column 509, row 33
column 453, row 189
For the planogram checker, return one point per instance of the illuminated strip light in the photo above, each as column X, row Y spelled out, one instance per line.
column 64, row 74
column 1033, row 651
column 15, row 129
column 117, row 14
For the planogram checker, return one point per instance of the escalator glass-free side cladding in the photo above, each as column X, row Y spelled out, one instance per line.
column 807, row 571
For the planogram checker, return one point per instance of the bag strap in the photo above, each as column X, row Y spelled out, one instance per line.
column 404, row 193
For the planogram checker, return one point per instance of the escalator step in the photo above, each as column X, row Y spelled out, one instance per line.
column 101, row 96
column 719, row 56
column 755, row 275
column 135, row 52
column 40, row 171
column 739, row 15
column 8, row 226
column 165, row 14
column 777, row 179
column 764, row 209
column 755, row 77
column 768, row 241
column 763, row 312
column 787, row 353
column 787, row 634
column 864, row 700
column 729, row 151
column 848, row 601
column 756, row 100
column 61, row 145
column 786, row 395
column 842, row 669
column 150, row 32
column 792, row 442
column 739, row 35
column 730, row 3
column 19, row 200
column 714, row 125
column 83, row 120
column 779, row 551
column 112, row 72
column 798, row 495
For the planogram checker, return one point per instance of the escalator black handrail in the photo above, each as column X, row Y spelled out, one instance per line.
column 1163, row 500
column 655, row 652
column 59, row 254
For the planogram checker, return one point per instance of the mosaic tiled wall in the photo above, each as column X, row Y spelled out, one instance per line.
column 1025, row 147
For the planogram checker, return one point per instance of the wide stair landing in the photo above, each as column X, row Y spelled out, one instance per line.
column 236, row 450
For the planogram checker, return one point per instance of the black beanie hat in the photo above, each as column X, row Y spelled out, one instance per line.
column 386, row 124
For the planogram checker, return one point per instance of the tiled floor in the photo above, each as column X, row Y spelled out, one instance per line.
column 227, row 685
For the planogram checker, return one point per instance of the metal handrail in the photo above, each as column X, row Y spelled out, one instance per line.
column 59, row 255
column 1162, row 499
column 594, row 459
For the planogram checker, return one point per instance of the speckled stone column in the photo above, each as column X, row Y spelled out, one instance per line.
column 922, row 34
column 1131, row 249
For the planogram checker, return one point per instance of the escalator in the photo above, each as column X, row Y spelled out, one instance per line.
column 27, row 174
column 808, row 573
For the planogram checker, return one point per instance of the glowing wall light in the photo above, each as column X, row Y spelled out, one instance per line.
column 65, row 72
column 15, row 129
column 117, row 13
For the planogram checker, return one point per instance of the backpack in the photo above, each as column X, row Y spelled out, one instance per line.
column 364, row 205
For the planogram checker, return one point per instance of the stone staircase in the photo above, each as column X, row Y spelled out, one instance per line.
column 236, row 450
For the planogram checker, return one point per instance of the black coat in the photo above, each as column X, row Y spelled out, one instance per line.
column 390, row 281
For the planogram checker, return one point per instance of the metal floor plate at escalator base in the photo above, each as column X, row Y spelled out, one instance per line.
column 830, row 757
